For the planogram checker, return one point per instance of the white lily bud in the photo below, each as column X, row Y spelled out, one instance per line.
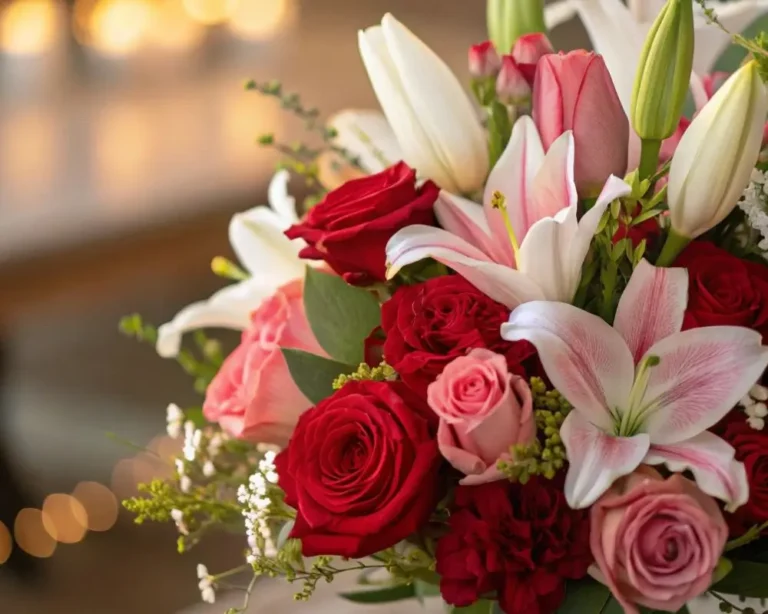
column 715, row 158
column 432, row 117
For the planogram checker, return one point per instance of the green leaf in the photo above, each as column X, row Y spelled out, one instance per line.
column 585, row 597
column 499, row 130
column 341, row 316
column 313, row 374
column 195, row 415
column 425, row 589
column 731, row 59
column 747, row 579
column 483, row 606
column 382, row 595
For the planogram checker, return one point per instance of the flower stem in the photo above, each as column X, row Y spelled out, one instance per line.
column 674, row 244
column 649, row 157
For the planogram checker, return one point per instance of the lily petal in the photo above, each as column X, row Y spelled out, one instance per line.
column 559, row 12
column 466, row 219
column 701, row 375
column 596, row 459
column 713, row 464
column 283, row 204
column 553, row 187
column 367, row 135
column 586, row 360
column 501, row 283
column 230, row 307
column 261, row 247
column 544, row 256
column 651, row 307
column 513, row 176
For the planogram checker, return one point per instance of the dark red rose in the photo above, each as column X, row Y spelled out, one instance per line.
column 724, row 289
column 751, row 449
column 350, row 227
column 521, row 542
column 431, row 323
column 649, row 230
column 361, row 469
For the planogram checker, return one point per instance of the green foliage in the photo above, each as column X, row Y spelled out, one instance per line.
column 546, row 455
column 484, row 606
column 747, row 579
column 364, row 372
column 314, row 375
column 499, row 130
column 381, row 595
column 341, row 316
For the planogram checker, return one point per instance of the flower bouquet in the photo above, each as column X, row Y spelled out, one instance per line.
column 511, row 352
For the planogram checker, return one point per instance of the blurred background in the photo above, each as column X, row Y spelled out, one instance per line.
column 126, row 143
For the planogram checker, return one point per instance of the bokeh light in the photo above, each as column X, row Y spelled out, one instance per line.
column 173, row 28
column 28, row 27
column 99, row 503
column 65, row 518
column 30, row 534
column 211, row 12
column 6, row 543
column 114, row 27
column 260, row 19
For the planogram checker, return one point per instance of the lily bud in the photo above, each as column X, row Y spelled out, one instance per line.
column 664, row 72
column 715, row 158
column 529, row 48
column 484, row 62
column 511, row 85
column 411, row 81
column 510, row 19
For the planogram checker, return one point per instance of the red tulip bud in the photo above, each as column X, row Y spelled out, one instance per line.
column 483, row 60
column 575, row 92
column 511, row 85
column 529, row 48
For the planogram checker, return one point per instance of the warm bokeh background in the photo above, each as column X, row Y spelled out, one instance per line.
column 126, row 142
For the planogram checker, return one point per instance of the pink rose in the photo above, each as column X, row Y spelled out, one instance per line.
column 483, row 410
column 574, row 91
column 656, row 542
column 253, row 396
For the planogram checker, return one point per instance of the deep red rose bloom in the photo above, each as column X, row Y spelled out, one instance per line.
column 431, row 323
column 519, row 541
column 350, row 227
column 361, row 469
column 751, row 449
column 724, row 289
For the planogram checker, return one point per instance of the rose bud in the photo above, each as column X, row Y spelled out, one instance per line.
column 483, row 410
column 484, row 62
column 575, row 92
column 530, row 48
column 656, row 542
column 714, row 160
column 511, row 85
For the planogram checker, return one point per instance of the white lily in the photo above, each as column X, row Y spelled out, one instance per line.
column 435, row 123
column 481, row 242
column 642, row 391
column 368, row 136
column 617, row 32
column 265, row 253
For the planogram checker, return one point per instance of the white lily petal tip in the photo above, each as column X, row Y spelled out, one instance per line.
column 168, row 341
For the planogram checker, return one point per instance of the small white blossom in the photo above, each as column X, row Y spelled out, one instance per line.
column 758, row 410
column 175, row 420
column 754, row 202
column 185, row 484
column 759, row 393
column 755, row 406
column 178, row 518
column 756, row 423
column 207, row 592
column 254, row 497
column 192, row 439
column 209, row 469
column 214, row 445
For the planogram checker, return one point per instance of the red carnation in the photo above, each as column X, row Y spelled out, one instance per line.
column 519, row 542
column 350, row 227
column 429, row 324
column 751, row 449
column 724, row 290
column 361, row 470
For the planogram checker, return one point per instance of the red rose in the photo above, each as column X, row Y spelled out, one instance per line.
column 350, row 227
column 361, row 470
column 431, row 323
column 751, row 449
column 724, row 289
column 519, row 541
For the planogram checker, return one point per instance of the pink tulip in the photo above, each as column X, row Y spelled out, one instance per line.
column 253, row 396
column 483, row 60
column 483, row 411
column 530, row 48
column 575, row 92
column 511, row 85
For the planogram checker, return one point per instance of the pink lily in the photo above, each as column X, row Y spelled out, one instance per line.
column 531, row 248
column 642, row 391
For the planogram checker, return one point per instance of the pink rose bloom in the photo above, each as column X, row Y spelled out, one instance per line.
column 253, row 396
column 574, row 91
column 483, row 410
column 656, row 542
